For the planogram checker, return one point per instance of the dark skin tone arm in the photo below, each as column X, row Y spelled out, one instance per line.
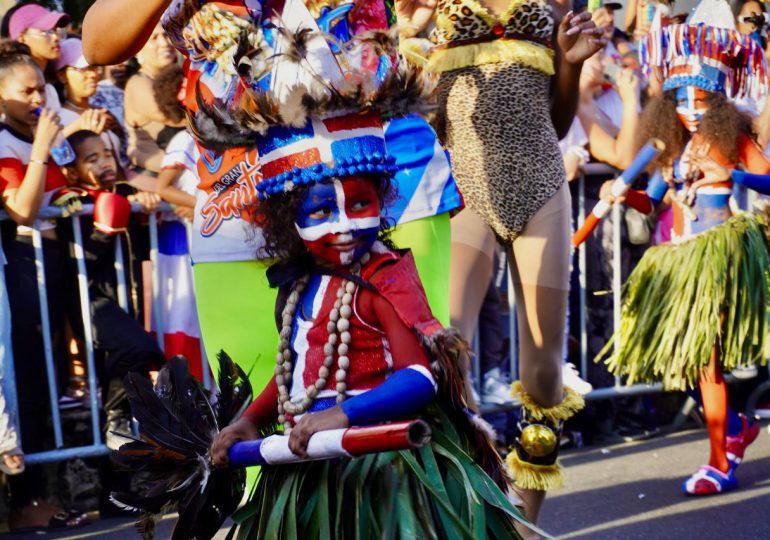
column 577, row 39
column 115, row 30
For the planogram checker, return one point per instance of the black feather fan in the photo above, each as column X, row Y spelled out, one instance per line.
column 177, row 424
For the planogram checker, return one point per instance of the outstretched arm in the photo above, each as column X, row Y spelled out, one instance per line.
column 115, row 30
column 414, row 16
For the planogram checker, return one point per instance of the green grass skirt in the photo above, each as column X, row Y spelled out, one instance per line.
column 674, row 300
column 436, row 491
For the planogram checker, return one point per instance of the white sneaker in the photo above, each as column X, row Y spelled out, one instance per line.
column 570, row 377
column 495, row 389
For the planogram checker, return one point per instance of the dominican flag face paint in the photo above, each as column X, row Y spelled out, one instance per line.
column 691, row 105
column 339, row 220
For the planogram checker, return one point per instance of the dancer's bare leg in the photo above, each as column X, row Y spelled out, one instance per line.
column 539, row 263
column 473, row 246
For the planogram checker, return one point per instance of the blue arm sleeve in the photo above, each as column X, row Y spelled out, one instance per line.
column 757, row 182
column 405, row 391
column 656, row 188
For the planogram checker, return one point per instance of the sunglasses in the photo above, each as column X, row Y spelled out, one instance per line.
column 61, row 33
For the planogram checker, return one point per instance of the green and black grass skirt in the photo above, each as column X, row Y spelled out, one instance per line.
column 434, row 492
column 682, row 299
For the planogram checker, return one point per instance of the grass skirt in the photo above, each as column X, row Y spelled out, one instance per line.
column 436, row 491
column 677, row 295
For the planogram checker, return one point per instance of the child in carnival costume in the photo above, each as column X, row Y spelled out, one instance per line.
column 231, row 47
column 697, row 306
column 358, row 346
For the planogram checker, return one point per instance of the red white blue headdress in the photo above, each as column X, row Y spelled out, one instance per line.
column 705, row 54
column 323, row 148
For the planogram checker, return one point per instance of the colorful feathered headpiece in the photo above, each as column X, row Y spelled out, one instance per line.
column 294, row 68
column 705, row 54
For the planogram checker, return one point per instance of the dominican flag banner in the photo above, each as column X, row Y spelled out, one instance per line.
column 179, row 315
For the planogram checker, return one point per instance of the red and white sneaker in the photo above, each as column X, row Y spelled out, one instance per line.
column 709, row 481
column 736, row 446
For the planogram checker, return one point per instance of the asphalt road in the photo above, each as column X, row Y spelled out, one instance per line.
column 621, row 492
column 632, row 491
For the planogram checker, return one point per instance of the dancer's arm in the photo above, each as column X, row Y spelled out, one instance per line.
column 115, row 30
column 577, row 39
column 262, row 412
column 406, row 391
column 757, row 168
column 641, row 201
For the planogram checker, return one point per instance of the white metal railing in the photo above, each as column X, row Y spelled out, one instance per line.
column 97, row 446
column 618, row 389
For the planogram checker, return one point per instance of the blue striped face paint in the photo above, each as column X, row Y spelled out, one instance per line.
column 339, row 220
column 691, row 105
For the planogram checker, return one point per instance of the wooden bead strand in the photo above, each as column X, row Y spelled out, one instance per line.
column 339, row 335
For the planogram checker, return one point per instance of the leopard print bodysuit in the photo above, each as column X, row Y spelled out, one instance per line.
column 494, row 113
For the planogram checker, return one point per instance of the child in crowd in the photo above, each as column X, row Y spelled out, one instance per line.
column 29, row 179
column 120, row 342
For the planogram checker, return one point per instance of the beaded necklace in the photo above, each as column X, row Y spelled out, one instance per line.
column 339, row 336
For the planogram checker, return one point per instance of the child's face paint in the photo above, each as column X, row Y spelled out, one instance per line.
column 691, row 105
column 339, row 220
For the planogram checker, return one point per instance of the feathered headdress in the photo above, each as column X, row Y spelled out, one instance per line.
column 291, row 70
column 704, row 54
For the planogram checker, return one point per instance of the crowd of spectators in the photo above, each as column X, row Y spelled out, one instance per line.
column 126, row 129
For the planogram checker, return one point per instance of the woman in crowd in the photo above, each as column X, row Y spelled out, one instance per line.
column 30, row 179
column 147, row 126
column 80, row 80
column 42, row 31
column 506, row 89
column 609, row 110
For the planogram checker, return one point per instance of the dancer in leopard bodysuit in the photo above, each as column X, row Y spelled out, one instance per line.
column 508, row 84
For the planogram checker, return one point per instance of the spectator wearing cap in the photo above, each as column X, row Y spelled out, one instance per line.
column 42, row 31
column 80, row 80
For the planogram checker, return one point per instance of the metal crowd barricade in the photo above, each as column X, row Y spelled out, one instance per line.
column 97, row 447
column 618, row 389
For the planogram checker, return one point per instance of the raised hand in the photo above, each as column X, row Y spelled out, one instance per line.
column 578, row 37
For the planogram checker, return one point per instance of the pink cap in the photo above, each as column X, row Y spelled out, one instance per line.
column 71, row 55
column 37, row 17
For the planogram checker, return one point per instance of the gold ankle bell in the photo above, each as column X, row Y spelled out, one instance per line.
column 538, row 440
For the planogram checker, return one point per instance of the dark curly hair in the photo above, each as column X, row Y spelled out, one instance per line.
column 165, row 88
column 722, row 125
column 277, row 215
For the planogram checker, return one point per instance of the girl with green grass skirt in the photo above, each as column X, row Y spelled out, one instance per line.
column 697, row 306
